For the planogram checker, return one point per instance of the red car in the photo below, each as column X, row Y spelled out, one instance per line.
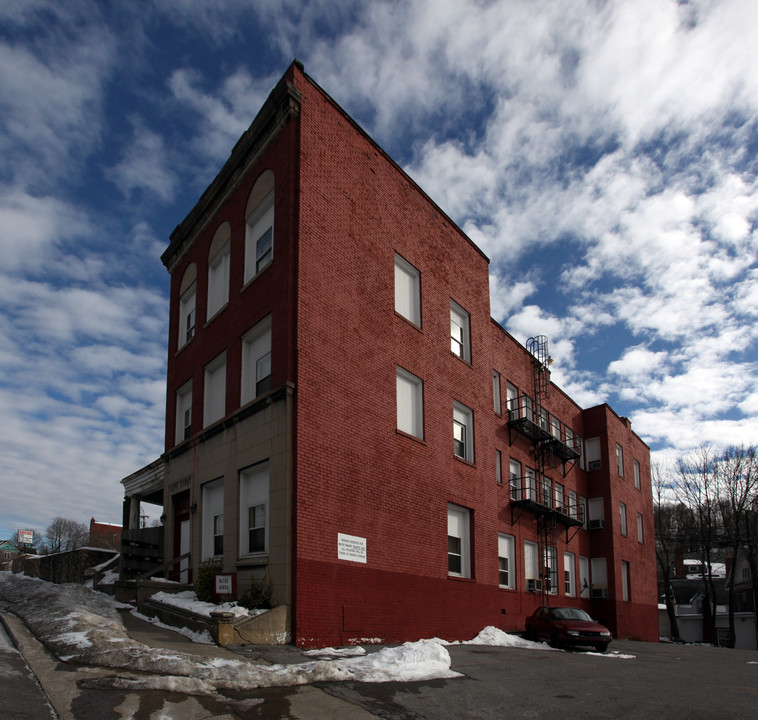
column 567, row 626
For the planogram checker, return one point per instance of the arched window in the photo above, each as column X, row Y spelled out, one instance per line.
column 218, row 269
column 259, row 225
column 187, row 292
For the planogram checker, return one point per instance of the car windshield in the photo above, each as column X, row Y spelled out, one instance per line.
column 569, row 614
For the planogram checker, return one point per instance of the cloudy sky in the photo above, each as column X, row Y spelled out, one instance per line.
column 601, row 152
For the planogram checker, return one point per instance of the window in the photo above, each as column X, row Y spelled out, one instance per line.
column 218, row 270
column 599, row 570
column 592, row 454
column 254, row 505
column 636, row 474
column 511, row 401
column 407, row 291
column 531, row 564
column 640, row 529
column 183, row 420
column 187, row 316
column 212, row 494
column 620, row 460
column 505, row 559
column 555, row 427
column 463, row 432
column 214, row 406
column 583, row 511
column 499, row 467
column 410, row 404
column 550, row 563
column 573, row 506
column 560, row 497
column 584, row 576
column 625, row 594
column 458, row 541
column 569, row 583
column 460, row 341
column 515, row 479
column 529, row 491
column 256, row 360
column 496, row 391
column 259, row 226
column 622, row 518
column 544, row 420
column 597, row 513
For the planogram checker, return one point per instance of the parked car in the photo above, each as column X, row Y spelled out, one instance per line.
column 567, row 626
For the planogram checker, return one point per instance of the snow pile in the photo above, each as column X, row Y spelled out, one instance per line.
column 495, row 637
column 187, row 600
column 203, row 638
column 83, row 626
column 336, row 652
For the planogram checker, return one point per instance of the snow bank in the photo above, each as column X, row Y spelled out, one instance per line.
column 187, row 600
column 497, row 638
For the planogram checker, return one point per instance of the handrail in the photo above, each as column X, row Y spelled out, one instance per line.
column 159, row 568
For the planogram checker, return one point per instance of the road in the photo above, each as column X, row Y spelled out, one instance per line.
column 661, row 681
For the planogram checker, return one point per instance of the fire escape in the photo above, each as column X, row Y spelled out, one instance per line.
column 533, row 493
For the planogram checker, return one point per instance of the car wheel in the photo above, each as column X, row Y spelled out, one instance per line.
column 601, row 647
column 555, row 640
column 529, row 634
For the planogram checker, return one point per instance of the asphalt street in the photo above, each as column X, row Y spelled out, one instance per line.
column 661, row 681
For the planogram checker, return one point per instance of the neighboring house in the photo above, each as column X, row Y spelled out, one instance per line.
column 346, row 422
column 8, row 552
column 104, row 535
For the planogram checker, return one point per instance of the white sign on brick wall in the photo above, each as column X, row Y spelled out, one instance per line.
column 350, row 547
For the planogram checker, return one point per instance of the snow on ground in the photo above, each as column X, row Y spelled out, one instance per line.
column 82, row 626
column 187, row 600
column 203, row 638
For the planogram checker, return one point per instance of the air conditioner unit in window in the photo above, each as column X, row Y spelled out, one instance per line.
column 594, row 465
column 598, row 593
column 597, row 524
column 533, row 585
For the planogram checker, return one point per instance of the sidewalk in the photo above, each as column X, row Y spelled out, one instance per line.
column 21, row 695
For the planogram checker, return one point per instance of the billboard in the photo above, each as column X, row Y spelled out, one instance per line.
column 26, row 537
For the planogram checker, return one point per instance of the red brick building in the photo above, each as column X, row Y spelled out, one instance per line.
column 347, row 422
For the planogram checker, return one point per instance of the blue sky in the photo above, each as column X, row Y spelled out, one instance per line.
column 602, row 154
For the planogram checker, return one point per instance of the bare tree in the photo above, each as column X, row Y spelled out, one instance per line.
column 697, row 488
column 737, row 483
column 665, row 539
column 64, row 534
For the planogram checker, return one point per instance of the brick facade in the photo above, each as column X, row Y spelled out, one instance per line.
column 327, row 426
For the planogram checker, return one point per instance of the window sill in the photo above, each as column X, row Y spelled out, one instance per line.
column 253, row 561
column 464, row 461
column 216, row 314
column 187, row 344
column 458, row 578
column 260, row 272
column 468, row 363
column 401, row 433
column 504, row 588
column 409, row 322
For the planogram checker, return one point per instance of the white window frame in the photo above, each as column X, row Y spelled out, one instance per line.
column 511, row 401
column 458, row 529
column 550, row 565
column 218, row 280
column 514, row 478
column 531, row 560
column 599, row 573
column 560, row 496
column 569, row 574
column 460, row 332
column 496, row 400
column 258, row 224
column 214, row 396
column 573, row 505
column 637, row 482
column 640, row 529
column 620, row 459
column 212, row 504
column 410, row 403
column 463, row 432
column 583, row 506
column 183, row 420
column 596, row 509
column 499, row 467
column 625, row 590
column 256, row 361
column 187, row 315
column 622, row 518
column 584, row 577
column 506, row 554
column 407, row 291
column 254, row 493
column 530, row 490
column 555, row 427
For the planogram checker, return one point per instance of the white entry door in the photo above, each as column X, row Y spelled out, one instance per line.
column 184, row 546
